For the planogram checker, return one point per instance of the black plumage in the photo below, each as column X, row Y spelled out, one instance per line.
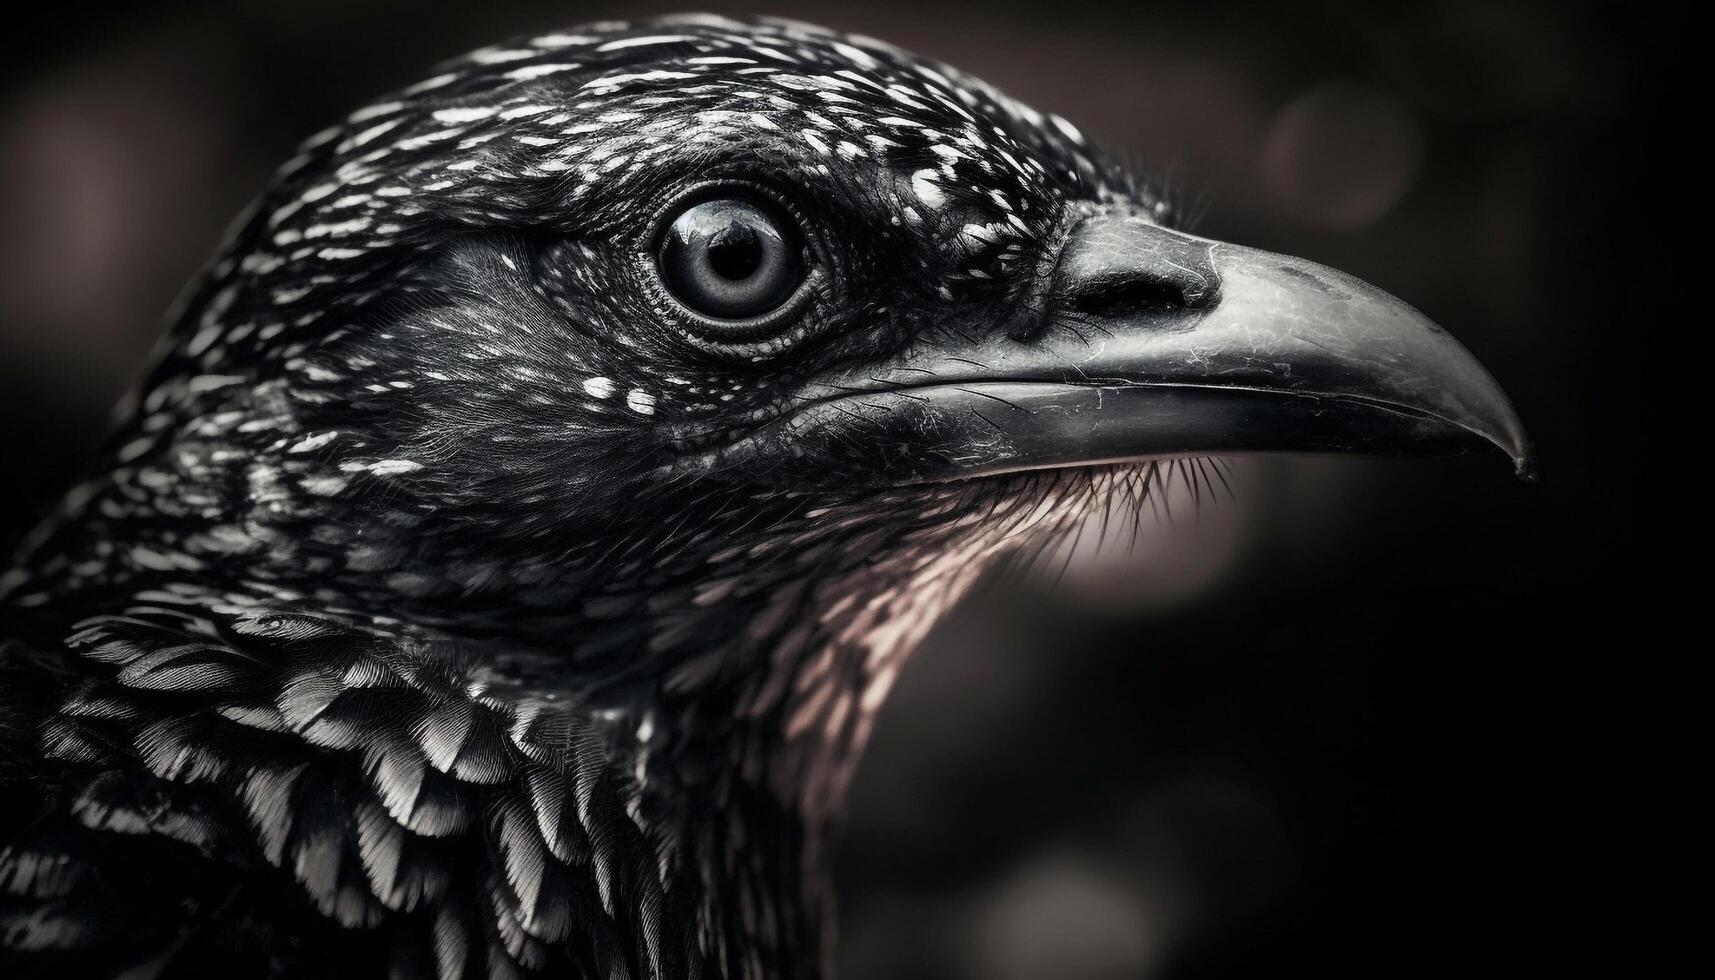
column 457, row 598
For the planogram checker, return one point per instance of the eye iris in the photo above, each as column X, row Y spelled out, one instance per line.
column 731, row 259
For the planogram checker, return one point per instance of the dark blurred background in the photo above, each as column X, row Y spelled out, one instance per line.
column 1365, row 718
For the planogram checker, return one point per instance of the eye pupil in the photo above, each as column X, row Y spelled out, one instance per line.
column 735, row 252
column 731, row 258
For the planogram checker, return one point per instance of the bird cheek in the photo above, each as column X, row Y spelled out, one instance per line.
column 874, row 441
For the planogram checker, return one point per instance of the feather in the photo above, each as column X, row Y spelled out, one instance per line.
column 39, row 873
column 188, row 667
column 403, row 873
column 267, row 795
column 181, row 750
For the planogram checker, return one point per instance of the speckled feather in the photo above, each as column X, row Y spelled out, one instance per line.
column 395, row 631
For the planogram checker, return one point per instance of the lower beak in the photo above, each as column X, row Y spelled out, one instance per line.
column 1157, row 343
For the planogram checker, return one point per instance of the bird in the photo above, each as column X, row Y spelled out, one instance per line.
column 500, row 567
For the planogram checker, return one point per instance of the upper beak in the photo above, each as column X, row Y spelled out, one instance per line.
column 1152, row 342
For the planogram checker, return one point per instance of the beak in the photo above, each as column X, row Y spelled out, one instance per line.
column 1154, row 343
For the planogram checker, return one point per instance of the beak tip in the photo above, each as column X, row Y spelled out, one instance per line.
column 1524, row 467
column 1509, row 436
column 1524, row 462
column 1505, row 432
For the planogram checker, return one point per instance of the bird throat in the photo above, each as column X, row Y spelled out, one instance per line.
column 662, row 737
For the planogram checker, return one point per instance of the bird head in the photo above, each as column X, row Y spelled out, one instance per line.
column 571, row 284
column 685, row 350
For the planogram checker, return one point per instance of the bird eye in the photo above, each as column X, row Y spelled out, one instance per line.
column 732, row 259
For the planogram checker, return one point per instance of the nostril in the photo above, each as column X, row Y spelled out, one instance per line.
column 1131, row 296
column 1119, row 266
